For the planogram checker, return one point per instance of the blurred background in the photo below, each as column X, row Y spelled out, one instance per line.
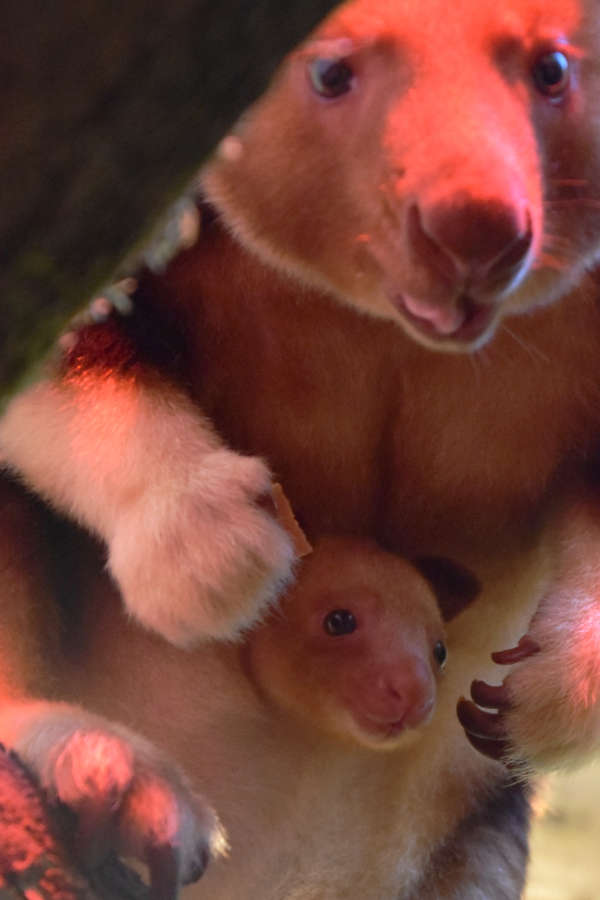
column 565, row 845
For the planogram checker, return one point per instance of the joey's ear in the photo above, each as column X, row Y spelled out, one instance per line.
column 454, row 586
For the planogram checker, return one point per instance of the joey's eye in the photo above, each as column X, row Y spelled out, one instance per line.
column 440, row 654
column 339, row 621
column 330, row 77
column 551, row 73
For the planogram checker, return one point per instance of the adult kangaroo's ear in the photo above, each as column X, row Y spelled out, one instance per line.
column 454, row 585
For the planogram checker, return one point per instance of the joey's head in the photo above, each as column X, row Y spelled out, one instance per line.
column 358, row 645
column 434, row 164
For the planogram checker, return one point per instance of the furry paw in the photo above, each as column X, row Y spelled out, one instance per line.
column 124, row 796
column 206, row 559
column 489, row 732
column 545, row 713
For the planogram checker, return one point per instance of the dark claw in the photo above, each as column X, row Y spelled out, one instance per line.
column 526, row 647
column 479, row 723
column 496, row 750
column 484, row 731
column 490, row 696
column 163, row 866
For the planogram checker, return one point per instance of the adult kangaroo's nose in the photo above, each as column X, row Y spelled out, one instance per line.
column 475, row 239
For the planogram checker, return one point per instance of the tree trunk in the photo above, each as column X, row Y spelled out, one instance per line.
column 107, row 109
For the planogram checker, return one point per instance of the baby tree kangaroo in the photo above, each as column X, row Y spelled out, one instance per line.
column 307, row 725
column 394, row 303
column 358, row 645
column 354, row 653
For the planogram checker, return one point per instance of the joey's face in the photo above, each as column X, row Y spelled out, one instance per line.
column 436, row 165
column 379, row 684
column 357, row 648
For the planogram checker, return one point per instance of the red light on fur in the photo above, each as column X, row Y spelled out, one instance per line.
column 108, row 411
column 586, row 666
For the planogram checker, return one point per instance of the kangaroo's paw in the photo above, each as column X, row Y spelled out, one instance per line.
column 488, row 731
column 124, row 795
column 192, row 542
column 207, row 559
column 545, row 712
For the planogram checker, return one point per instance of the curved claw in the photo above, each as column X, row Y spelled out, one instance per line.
column 484, row 731
column 496, row 750
column 526, row 647
column 490, row 696
column 475, row 721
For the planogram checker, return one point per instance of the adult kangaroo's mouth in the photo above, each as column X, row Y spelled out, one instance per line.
column 462, row 321
column 469, row 250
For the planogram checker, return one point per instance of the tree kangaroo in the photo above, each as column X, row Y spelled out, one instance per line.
column 393, row 306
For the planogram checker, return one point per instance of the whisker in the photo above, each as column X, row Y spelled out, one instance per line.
column 483, row 357
column 474, row 360
column 534, row 352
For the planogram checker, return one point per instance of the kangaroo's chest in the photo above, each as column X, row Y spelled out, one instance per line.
column 371, row 434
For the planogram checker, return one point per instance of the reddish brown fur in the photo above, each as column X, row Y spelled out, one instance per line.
column 343, row 433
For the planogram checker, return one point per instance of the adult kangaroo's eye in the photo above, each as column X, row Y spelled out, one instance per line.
column 552, row 74
column 330, row 77
column 338, row 622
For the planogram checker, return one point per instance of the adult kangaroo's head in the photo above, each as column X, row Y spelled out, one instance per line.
column 435, row 164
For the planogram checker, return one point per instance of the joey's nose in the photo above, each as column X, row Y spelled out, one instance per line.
column 477, row 240
column 408, row 694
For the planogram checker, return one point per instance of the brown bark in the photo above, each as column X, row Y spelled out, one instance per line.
column 106, row 110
